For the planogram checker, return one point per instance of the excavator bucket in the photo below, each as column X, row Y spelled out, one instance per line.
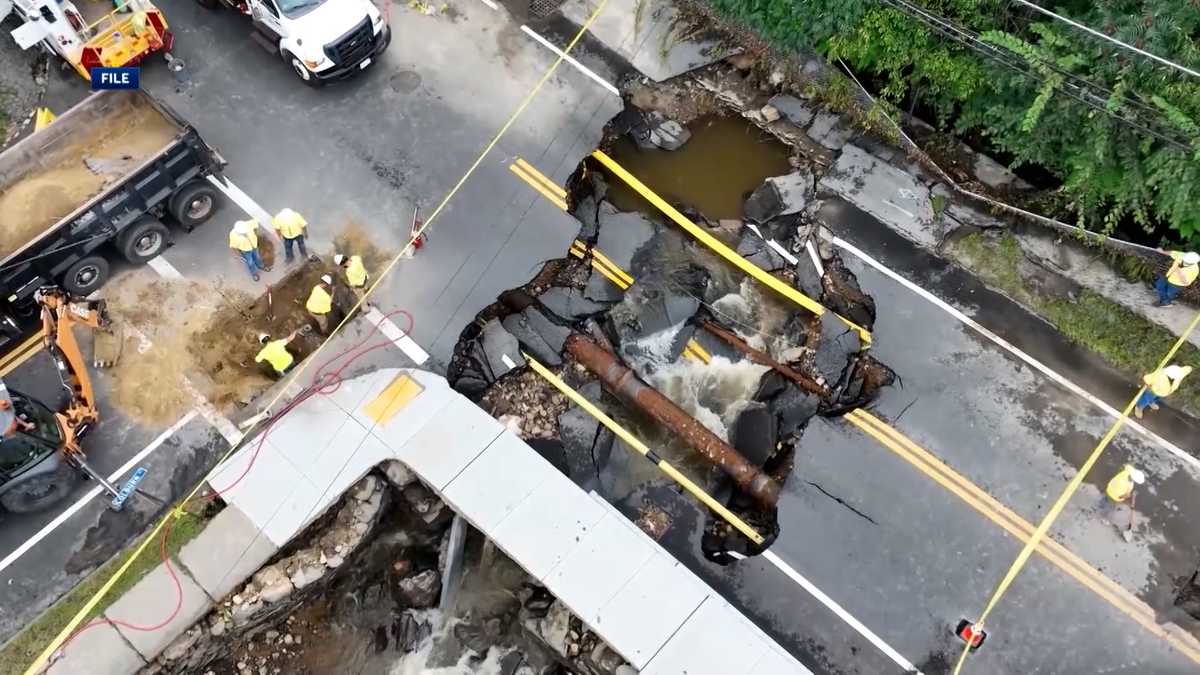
column 107, row 345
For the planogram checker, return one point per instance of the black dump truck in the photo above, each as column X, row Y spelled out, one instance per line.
column 100, row 183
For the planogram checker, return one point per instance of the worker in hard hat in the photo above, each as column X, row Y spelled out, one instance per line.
column 274, row 354
column 1160, row 384
column 243, row 239
column 291, row 226
column 356, row 274
column 320, row 304
column 1120, row 487
column 1185, row 267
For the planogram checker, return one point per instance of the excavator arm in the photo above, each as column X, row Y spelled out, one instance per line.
column 61, row 313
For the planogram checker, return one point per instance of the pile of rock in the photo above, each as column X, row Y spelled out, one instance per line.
column 577, row 647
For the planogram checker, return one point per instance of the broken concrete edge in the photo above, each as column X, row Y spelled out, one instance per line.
column 221, row 558
column 790, row 113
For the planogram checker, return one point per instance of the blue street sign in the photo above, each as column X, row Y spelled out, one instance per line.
column 115, row 78
column 128, row 488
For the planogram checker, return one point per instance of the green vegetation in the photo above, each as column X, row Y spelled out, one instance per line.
column 1111, row 172
column 1126, row 340
column 23, row 648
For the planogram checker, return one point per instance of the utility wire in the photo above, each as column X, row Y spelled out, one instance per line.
column 1073, row 85
column 1091, row 31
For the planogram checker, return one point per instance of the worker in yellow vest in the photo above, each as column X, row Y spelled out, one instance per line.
column 320, row 304
column 356, row 274
column 1183, row 271
column 1120, row 487
column 1159, row 384
column 292, row 227
column 274, row 354
column 243, row 239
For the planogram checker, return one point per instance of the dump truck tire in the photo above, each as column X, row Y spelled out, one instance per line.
column 86, row 275
column 40, row 492
column 143, row 240
column 193, row 204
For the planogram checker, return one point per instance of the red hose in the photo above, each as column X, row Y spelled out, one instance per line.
column 324, row 383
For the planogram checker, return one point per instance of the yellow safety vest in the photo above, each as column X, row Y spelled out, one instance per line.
column 1161, row 385
column 1181, row 275
column 1121, row 485
column 276, row 354
column 319, row 302
column 356, row 274
column 243, row 242
column 290, row 224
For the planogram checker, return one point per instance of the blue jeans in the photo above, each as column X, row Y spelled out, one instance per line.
column 287, row 248
column 253, row 262
column 1146, row 400
column 1167, row 291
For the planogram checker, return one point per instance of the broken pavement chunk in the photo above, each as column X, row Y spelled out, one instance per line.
column 793, row 109
column 764, row 204
column 498, row 343
column 569, row 303
column 754, row 433
column 542, row 337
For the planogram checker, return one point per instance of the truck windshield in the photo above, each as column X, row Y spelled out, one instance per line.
column 295, row 8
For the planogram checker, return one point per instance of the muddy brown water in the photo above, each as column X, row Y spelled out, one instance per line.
column 725, row 159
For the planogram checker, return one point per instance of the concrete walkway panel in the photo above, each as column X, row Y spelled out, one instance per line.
column 540, row 537
column 713, row 641
column 307, row 430
column 497, row 482
column 400, row 428
column 449, row 441
column 638, row 634
column 228, row 550
column 774, row 662
column 605, row 560
column 149, row 603
column 99, row 649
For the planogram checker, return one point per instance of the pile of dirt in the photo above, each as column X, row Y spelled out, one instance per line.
column 354, row 239
column 117, row 145
column 185, row 338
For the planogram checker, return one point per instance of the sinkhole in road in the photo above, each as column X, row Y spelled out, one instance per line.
column 711, row 369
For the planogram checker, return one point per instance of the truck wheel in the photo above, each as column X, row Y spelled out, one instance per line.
column 143, row 240
column 301, row 71
column 41, row 491
column 193, row 204
column 86, row 275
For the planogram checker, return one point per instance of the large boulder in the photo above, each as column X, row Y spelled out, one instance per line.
column 421, row 590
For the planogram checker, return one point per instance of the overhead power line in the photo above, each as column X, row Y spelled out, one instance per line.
column 1109, row 38
column 1089, row 93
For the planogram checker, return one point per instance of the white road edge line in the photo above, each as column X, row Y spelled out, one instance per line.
column 1113, row 412
column 490, row 4
column 812, row 253
column 569, row 59
column 393, row 332
column 841, row 613
column 164, row 267
column 91, row 494
column 243, row 200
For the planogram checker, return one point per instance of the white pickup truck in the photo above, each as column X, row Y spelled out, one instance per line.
column 321, row 40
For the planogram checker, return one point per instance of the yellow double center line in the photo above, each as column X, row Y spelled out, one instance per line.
column 1010, row 522
column 602, row 264
column 21, row 353
column 540, row 182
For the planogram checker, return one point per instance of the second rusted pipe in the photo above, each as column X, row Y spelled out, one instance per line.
column 626, row 384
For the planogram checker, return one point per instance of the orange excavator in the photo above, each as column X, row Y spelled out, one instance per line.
column 41, row 459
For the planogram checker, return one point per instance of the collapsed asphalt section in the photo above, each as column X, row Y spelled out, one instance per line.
column 658, row 332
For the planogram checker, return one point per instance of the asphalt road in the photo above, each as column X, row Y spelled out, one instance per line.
column 909, row 560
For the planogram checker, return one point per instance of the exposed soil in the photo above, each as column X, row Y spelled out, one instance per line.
column 355, row 239
column 206, row 331
column 43, row 197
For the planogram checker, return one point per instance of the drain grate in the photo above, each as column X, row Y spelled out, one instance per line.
column 540, row 9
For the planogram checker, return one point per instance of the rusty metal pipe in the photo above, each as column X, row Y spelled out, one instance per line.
column 626, row 384
column 763, row 359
